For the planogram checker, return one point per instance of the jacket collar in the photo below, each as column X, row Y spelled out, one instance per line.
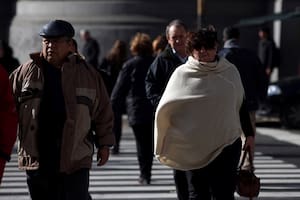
column 232, row 43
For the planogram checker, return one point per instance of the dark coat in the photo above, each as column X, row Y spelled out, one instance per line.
column 159, row 73
column 109, row 72
column 268, row 54
column 130, row 87
column 91, row 51
column 8, row 118
column 253, row 76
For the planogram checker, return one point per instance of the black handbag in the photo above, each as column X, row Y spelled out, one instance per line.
column 248, row 184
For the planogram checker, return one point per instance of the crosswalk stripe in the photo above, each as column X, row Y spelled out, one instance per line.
column 117, row 180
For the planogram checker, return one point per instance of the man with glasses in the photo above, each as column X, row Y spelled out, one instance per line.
column 157, row 78
column 58, row 98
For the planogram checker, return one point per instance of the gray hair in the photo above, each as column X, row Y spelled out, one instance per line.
column 176, row 23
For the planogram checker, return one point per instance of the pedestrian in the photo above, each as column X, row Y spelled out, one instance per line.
column 91, row 48
column 109, row 68
column 158, row 76
column 130, row 88
column 254, row 77
column 7, row 60
column 268, row 53
column 8, row 120
column 58, row 97
column 112, row 63
column 159, row 44
column 200, row 118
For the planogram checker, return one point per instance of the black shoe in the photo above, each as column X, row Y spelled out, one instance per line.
column 144, row 181
column 115, row 150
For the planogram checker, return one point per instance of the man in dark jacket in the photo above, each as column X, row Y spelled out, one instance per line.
column 157, row 78
column 8, row 120
column 268, row 53
column 253, row 76
column 91, row 49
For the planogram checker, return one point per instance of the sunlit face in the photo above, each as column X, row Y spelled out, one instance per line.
column 205, row 54
column 55, row 50
column 176, row 38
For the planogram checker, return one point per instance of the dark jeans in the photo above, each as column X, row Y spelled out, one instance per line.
column 181, row 184
column 216, row 180
column 58, row 186
column 144, row 142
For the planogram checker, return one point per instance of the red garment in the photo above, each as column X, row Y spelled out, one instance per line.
column 8, row 120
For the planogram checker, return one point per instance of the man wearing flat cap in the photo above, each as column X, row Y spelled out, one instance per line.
column 58, row 98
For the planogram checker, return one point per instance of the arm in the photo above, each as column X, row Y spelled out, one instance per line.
column 121, row 89
column 247, row 128
column 153, row 84
column 103, row 122
column 8, row 121
column 269, row 58
column 262, row 81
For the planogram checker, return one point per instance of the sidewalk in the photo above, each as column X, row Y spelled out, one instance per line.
column 290, row 136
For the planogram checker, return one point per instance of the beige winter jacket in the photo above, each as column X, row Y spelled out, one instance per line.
column 198, row 114
column 86, row 99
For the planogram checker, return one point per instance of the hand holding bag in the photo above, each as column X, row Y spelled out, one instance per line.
column 248, row 184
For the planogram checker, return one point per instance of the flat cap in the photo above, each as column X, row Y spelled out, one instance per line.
column 57, row 28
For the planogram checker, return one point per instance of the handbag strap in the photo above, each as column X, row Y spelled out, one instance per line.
column 245, row 152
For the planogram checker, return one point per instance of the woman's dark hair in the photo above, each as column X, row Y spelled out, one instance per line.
column 118, row 53
column 205, row 37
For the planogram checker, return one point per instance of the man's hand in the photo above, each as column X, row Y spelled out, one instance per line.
column 102, row 155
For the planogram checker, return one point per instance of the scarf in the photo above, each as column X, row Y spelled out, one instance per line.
column 198, row 114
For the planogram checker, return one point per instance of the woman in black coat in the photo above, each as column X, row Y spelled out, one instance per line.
column 130, row 87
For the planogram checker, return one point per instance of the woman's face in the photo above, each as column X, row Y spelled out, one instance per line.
column 205, row 54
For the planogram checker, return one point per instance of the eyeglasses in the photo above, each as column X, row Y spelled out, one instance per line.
column 47, row 41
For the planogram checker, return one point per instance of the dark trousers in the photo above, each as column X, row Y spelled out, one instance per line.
column 58, row 186
column 144, row 142
column 216, row 180
column 117, row 128
column 181, row 184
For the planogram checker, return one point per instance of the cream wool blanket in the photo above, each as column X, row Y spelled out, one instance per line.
column 198, row 114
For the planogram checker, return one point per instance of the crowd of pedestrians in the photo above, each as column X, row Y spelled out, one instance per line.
column 190, row 102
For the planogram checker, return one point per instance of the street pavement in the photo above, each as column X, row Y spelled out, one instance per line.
column 276, row 161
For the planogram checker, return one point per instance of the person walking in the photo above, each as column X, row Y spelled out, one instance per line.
column 7, row 60
column 112, row 63
column 158, row 75
column 59, row 97
column 91, row 48
column 109, row 68
column 254, row 77
column 200, row 118
column 130, row 88
column 267, row 51
column 8, row 120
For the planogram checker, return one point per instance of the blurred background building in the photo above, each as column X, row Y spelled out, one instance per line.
column 109, row 20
